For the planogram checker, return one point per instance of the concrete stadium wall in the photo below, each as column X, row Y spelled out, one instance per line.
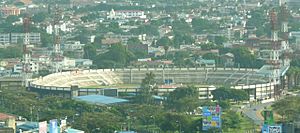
column 258, row 87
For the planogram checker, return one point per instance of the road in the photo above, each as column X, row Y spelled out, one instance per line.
column 251, row 112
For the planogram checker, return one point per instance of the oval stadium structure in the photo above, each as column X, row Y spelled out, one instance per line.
column 86, row 82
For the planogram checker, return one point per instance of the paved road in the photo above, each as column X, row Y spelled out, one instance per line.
column 251, row 112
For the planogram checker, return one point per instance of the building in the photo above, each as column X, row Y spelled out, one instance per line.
column 4, row 38
column 228, row 59
column 14, row 38
column 71, row 46
column 205, row 92
column 126, row 14
column 34, row 67
column 206, row 63
column 7, row 123
column 83, row 63
column 7, row 11
column 34, row 38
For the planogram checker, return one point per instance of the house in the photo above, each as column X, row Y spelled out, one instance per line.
column 83, row 63
column 7, row 123
column 108, row 42
column 126, row 14
column 228, row 60
column 206, row 63
column 7, row 11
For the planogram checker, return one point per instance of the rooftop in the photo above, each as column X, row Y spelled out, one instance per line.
column 6, row 116
column 100, row 99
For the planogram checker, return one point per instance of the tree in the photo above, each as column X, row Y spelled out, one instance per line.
column 182, row 39
column 89, row 51
column 172, row 122
column 11, row 19
column 210, row 56
column 181, row 27
column 203, row 25
column 117, row 56
column 165, row 42
column 224, row 93
column 11, row 52
column 231, row 120
column 150, row 30
column 133, row 41
column 288, row 108
column 147, row 89
column 39, row 17
column 219, row 40
column 180, row 57
column 183, row 99
column 46, row 40
column 244, row 58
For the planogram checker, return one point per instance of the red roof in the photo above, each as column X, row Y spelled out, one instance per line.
column 6, row 116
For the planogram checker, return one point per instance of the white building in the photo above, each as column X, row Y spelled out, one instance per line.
column 34, row 38
column 34, row 67
column 70, row 46
column 126, row 14
column 49, row 29
column 4, row 38
column 205, row 92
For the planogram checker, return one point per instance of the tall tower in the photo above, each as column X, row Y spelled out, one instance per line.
column 56, row 53
column 26, row 68
column 285, row 35
column 57, row 17
column 273, row 60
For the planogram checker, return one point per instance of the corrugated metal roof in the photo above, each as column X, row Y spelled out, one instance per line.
column 100, row 99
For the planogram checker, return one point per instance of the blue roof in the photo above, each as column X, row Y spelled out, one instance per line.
column 100, row 99
column 28, row 126
column 71, row 130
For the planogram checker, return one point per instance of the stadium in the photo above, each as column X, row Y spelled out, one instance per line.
column 256, row 82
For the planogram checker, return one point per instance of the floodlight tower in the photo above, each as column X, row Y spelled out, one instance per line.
column 56, row 53
column 273, row 60
column 57, row 17
column 286, row 51
column 26, row 69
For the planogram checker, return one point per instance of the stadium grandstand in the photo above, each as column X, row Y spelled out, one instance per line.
column 255, row 81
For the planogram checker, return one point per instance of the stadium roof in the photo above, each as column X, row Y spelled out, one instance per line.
column 100, row 99
column 267, row 70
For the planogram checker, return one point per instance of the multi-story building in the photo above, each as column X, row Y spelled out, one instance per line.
column 6, row 11
column 34, row 38
column 4, row 38
column 14, row 38
column 71, row 46
column 126, row 14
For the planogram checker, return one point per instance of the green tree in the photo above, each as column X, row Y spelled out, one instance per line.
column 174, row 122
column 133, row 41
column 150, row 30
column 210, row 56
column 183, row 99
column 117, row 56
column 165, row 42
column 203, row 25
column 231, row 120
column 181, row 27
column 89, row 51
column 182, row 39
column 147, row 89
column 39, row 17
column 223, row 94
